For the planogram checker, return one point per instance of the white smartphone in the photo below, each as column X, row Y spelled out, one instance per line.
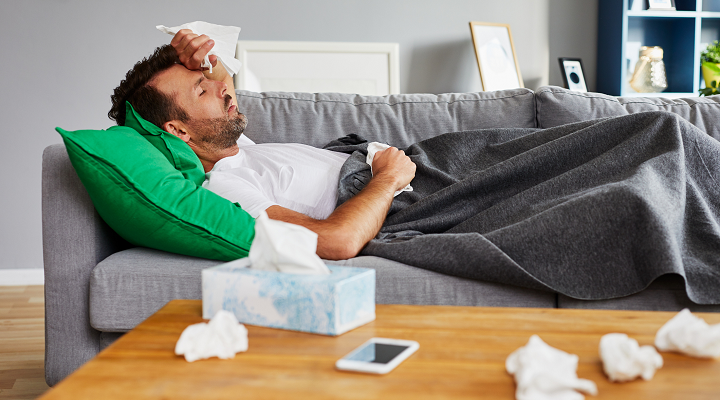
column 377, row 355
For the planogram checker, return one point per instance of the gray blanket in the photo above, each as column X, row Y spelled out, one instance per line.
column 592, row 210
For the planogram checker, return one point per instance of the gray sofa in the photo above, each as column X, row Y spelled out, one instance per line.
column 97, row 286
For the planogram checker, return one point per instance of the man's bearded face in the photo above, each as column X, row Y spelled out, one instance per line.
column 219, row 133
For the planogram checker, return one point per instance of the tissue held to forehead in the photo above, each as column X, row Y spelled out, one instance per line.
column 225, row 38
column 685, row 333
column 624, row 360
column 543, row 372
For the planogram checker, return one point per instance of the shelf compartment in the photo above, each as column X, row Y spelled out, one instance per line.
column 711, row 5
column 709, row 32
column 686, row 5
column 677, row 38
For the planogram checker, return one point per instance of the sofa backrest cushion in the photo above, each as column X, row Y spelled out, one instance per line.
column 558, row 106
column 177, row 152
column 148, row 202
column 398, row 120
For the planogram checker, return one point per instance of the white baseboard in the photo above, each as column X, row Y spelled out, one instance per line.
column 22, row 277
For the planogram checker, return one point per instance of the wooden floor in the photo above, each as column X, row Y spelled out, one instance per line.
column 22, row 342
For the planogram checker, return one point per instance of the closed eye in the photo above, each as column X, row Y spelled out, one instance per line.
column 197, row 84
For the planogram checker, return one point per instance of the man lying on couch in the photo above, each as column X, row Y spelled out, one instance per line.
column 596, row 209
column 170, row 90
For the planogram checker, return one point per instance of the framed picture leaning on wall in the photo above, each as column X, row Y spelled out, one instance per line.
column 572, row 73
column 495, row 54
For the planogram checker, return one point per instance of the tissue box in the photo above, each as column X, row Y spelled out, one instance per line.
column 326, row 304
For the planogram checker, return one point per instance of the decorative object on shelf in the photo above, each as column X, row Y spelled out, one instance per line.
column 661, row 5
column 649, row 75
column 495, row 54
column 572, row 72
column 710, row 61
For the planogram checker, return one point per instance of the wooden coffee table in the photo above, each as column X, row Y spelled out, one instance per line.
column 462, row 356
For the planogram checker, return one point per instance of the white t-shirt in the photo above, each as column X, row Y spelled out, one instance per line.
column 292, row 175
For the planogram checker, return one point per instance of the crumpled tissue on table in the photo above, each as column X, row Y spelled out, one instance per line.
column 225, row 38
column 685, row 333
column 543, row 372
column 222, row 337
column 373, row 148
column 280, row 246
column 624, row 360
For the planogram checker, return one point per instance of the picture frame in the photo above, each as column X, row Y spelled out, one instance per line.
column 318, row 67
column 495, row 54
column 661, row 5
column 573, row 75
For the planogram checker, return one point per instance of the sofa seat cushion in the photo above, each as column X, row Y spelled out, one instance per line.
column 131, row 285
column 666, row 293
column 399, row 283
column 557, row 106
column 398, row 120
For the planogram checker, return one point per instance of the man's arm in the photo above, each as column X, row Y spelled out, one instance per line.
column 192, row 49
column 352, row 225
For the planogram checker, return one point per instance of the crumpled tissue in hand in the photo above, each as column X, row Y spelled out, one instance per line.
column 624, row 360
column 280, row 246
column 543, row 372
column 225, row 38
column 685, row 333
column 374, row 147
column 222, row 337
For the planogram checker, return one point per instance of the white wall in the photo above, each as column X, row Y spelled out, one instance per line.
column 62, row 59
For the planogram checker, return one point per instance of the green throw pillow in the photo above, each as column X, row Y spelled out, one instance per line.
column 172, row 147
column 149, row 202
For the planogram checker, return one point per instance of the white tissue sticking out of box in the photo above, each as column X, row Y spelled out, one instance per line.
column 624, row 360
column 280, row 246
column 373, row 148
column 225, row 38
column 685, row 333
column 222, row 337
column 544, row 372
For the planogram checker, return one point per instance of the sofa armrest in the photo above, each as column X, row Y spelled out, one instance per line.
column 75, row 239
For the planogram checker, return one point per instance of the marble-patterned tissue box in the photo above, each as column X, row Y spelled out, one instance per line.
column 326, row 304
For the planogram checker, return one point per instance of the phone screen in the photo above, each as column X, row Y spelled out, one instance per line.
column 379, row 353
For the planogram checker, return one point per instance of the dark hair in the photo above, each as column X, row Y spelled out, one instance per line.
column 148, row 101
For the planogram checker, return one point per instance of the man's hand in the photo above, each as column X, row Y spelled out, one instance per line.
column 394, row 165
column 192, row 49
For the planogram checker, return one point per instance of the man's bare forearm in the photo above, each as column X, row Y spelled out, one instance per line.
column 361, row 217
column 348, row 229
column 352, row 225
